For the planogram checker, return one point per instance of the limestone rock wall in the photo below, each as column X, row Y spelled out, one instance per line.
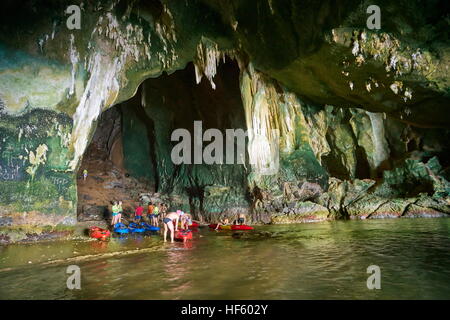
column 355, row 109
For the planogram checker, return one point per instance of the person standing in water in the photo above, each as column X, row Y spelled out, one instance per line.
column 85, row 174
column 168, row 222
column 120, row 211
column 155, row 215
column 138, row 213
column 150, row 209
column 115, row 213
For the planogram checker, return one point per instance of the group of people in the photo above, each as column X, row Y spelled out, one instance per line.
column 171, row 218
column 171, row 221
column 225, row 222
column 154, row 212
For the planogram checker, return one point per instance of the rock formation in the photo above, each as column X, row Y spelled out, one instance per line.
column 361, row 114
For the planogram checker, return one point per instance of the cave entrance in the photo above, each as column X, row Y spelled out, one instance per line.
column 130, row 152
column 107, row 177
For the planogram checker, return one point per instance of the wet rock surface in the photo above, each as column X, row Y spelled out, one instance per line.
column 93, row 213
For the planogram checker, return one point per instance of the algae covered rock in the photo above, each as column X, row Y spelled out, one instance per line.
column 408, row 191
column 303, row 212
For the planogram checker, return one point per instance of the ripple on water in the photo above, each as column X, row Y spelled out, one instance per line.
column 309, row 261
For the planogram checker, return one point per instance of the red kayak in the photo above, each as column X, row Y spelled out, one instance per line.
column 232, row 227
column 193, row 225
column 99, row 233
column 183, row 235
column 241, row 227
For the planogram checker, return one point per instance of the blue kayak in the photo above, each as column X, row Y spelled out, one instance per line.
column 149, row 227
column 121, row 228
column 135, row 228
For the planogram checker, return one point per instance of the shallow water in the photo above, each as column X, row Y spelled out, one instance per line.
column 305, row 261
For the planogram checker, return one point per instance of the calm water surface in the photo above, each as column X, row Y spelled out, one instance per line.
column 305, row 261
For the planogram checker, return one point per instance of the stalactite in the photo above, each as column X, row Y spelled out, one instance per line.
column 207, row 60
column 379, row 141
column 101, row 90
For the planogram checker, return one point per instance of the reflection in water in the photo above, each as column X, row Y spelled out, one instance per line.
column 176, row 268
column 138, row 239
column 99, row 246
column 309, row 261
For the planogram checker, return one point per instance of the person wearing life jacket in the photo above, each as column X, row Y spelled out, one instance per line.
column 150, row 209
column 168, row 223
column 115, row 209
column 155, row 215
column 223, row 222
